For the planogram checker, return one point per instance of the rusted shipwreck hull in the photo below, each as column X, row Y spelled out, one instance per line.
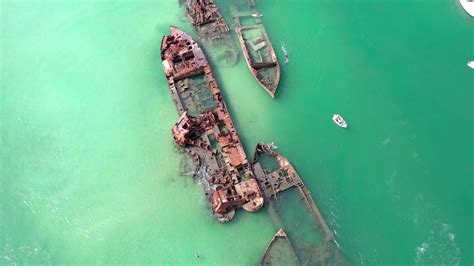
column 205, row 128
column 258, row 52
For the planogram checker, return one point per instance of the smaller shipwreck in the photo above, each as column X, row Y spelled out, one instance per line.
column 308, row 239
column 206, row 130
column 258, row 51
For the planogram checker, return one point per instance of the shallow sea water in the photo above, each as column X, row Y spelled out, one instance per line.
column 89, row 172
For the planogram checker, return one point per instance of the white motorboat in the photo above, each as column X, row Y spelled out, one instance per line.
column 339, row 120
column 257, row 15
column 468, row 5
column 470, row 64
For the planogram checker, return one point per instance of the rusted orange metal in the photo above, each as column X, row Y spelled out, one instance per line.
column 230, row 179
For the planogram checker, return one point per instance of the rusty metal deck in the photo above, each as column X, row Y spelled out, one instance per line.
column 206, row 130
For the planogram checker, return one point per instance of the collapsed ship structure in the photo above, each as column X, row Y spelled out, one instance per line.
column 212, row 29
column 206, row 130
column 206, row 18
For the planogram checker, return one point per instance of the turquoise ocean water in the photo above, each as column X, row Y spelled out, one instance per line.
column 89, row 172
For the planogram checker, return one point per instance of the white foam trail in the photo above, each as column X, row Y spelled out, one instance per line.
column 285, row 52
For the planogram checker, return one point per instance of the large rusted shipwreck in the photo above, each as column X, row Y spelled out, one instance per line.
column 258, row 51
column 205, row 128
column 212, row 29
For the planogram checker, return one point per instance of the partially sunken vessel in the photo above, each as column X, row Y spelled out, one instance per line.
column 258, row 51
column 308, row 239
column 205, row 128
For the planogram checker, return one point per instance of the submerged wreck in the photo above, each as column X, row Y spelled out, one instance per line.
column 279, row 251
column 258, row 51
column 311, row 242
column 205, row 128
column 214, row 32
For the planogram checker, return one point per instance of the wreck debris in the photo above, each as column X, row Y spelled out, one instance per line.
column 206, row 130
column 258, row 52
column 281, row 179
column 205, row 17
column 214, row 32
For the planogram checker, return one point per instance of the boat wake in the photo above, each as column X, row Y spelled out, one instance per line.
column 285, row 52
column 438, row 245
